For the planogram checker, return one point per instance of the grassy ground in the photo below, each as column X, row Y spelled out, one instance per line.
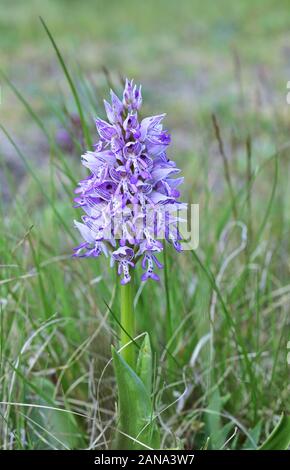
column 221, row 343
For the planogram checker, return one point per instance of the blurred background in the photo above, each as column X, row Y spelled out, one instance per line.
column 194, row 59
column 231, row 58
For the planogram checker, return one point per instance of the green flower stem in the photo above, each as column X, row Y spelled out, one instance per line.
column 128, row 323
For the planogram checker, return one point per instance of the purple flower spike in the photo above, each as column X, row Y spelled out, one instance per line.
column 130, row 198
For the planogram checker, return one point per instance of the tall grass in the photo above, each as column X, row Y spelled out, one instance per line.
column 218, row 320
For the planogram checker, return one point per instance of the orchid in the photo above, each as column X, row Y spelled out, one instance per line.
column 130, row 198
column 131, row 209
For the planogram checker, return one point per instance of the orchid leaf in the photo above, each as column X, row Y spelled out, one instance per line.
column 279, row 439
column 144, row 364
column 136, row 427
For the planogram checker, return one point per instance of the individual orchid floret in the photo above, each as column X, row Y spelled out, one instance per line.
column 130, row 198
column 123, row 256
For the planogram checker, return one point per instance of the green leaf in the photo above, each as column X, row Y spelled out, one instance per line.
column 136, row 422
column 254, row 437
column 50, row 428
column 279, row 438
column 144, row 364
column 214, row 425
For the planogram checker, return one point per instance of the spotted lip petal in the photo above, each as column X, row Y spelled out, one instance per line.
column 131, row 182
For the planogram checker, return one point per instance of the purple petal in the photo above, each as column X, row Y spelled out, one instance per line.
column 106, row 131
column 149, row 123
column 109, row 111
column 117, row 104
column 163, row 173
column 85, row 232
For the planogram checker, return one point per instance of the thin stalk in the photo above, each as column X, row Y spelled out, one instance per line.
column 249, row 188
column 71, row 84
column 226, row 165
column 128, row 323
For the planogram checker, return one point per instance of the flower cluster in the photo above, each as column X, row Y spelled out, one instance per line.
column 129, row 198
